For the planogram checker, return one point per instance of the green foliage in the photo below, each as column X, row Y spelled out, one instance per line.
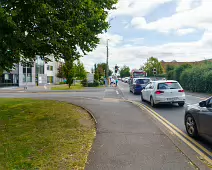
column 84, row 82
column 124, row 71
column 80, row 72
column 169, row 68
column 100, row 71
column 151, row 64
column 178, row 71
column 198, row 78
column 60, row 73
column 58, row 27
column 71, row 71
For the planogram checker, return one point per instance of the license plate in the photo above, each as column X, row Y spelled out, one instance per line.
column 172, row 99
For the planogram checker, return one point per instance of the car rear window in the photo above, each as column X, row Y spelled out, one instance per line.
column 169, row 85
column 142, row 81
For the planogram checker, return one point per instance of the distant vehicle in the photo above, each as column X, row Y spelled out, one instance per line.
column 126, row 79
column 138, row 84
column 137, row 73
column 163, row 92
column 198, row 119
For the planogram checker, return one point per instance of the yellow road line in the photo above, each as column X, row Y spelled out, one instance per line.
column 176, row 131
column 185, row 135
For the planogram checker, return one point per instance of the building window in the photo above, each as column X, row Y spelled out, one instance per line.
column 27, row 74
column 49, row 67
column 50, row 79
column 39, row 66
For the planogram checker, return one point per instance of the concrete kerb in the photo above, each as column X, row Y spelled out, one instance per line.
column 197, row 161
column 87, row 110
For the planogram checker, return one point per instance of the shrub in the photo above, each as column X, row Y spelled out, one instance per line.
column 198, row 78
column 84, row 83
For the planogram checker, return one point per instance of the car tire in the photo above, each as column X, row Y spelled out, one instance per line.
column 142, row 99
column 152, row 102
column 181, row 104
column 191, row 126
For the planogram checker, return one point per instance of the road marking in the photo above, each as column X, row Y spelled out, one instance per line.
column 185, row 138
column 117, row 92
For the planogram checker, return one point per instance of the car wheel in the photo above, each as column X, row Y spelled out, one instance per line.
column 152, row 102
column 142, row 99
column 191, row 126
column 181, row 104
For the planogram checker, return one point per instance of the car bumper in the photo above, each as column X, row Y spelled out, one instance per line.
column 160, row 100
column 138, row 90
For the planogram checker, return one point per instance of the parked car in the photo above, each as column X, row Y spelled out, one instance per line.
column 198, row 119
column 138, row 84
column 163, row 92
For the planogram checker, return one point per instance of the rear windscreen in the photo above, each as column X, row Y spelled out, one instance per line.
column 169, row 85
column 142, row 81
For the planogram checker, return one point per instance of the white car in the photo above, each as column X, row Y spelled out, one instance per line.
column 163, row 92
column 126, row 79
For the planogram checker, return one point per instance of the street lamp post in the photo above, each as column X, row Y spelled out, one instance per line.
column 107, row 68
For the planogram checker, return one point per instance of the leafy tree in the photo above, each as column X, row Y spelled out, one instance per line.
column 44, row 27
column 101, row 69
column 72, row 71
column 80, row 71
column 169, row 68
column 125, row 71
column 151, row 64
column 179, row 69
column 69, row 72
column 96, row 73
column 60, row 73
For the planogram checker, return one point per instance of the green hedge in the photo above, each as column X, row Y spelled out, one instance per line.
column 197, row 78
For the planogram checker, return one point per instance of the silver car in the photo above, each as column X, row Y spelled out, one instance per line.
column 198, row 119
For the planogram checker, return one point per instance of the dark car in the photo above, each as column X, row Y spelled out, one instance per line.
column 138, row 84
column 198, row 119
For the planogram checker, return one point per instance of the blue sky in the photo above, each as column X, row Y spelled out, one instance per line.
column 167, row 29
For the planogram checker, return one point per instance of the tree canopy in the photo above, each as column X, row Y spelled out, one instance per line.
column 125, row 71
column 151, row 64
column 65, row 28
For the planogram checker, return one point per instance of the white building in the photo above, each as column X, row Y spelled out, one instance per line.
column 39, row 74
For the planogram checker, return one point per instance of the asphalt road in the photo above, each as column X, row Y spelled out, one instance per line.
column 172, row 113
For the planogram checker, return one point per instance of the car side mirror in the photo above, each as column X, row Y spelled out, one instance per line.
column 202, row 104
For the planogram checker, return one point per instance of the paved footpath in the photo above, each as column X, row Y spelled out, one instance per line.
column 127, row 138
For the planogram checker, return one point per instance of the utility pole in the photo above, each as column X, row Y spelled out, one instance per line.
column 107, row 78
column 107, row 60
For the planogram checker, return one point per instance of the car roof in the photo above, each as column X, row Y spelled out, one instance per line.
column 164, row 81
column 141, row 78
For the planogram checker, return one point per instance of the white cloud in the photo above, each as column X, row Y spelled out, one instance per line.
column 198, row 17
column 185, row 31
column 136, row 7
column 184, row 5
column 135, row 55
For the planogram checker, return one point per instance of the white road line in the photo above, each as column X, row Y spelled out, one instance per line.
column 117, row 92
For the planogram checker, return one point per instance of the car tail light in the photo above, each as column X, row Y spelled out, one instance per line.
column 159, row 92
column 181, row 91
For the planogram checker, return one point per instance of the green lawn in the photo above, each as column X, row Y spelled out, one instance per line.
column 65, row 87
column 38, row 134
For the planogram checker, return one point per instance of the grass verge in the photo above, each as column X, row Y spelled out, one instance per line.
column 65, row 87
column 38, row 134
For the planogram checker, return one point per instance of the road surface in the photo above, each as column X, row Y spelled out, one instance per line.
column 172, row 113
